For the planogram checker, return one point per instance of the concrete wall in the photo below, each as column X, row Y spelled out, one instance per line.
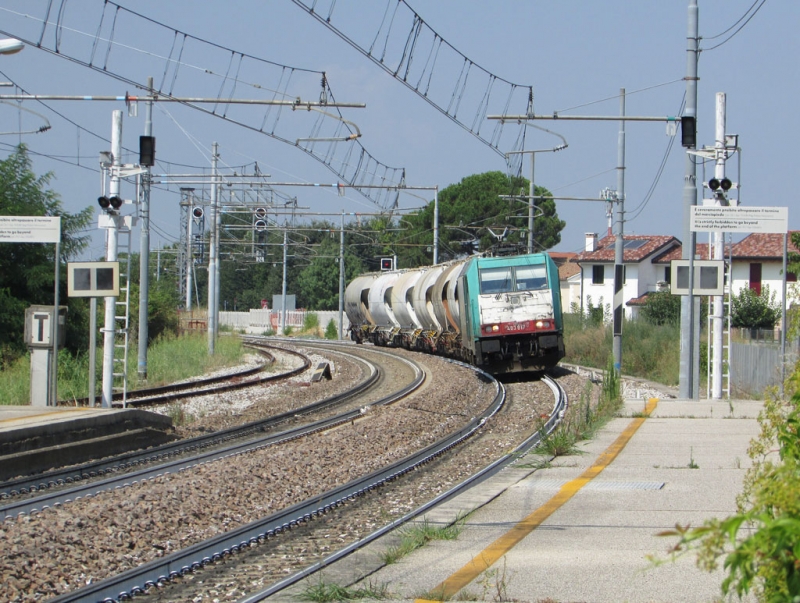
column 256, row 322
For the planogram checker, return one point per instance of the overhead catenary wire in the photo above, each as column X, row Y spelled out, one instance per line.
column 746, row 17
column 351, row 162
column 636, row 211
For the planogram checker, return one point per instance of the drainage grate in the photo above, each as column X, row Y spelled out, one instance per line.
column 555, row 484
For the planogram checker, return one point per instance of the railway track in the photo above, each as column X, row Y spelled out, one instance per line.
column 274, row 528
column 188, row 452
column 219, row 384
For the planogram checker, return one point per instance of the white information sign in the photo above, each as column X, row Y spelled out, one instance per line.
column 30, row 229
column 706, row 218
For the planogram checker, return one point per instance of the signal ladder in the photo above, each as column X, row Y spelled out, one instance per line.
column 122, row 316
column 726, row 343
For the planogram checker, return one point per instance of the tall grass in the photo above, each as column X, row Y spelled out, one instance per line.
column 584, row 418
column 15, row 382
column 648, row 351
column 174, row 358
column 169, row 359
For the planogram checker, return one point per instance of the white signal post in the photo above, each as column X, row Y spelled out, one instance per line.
column 717, row 317
column 112, row 230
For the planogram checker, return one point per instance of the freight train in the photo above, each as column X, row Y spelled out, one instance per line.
column 502, row 314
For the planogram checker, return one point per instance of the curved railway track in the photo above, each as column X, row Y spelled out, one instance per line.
column 218, row 550
column 219, row 384
column 241, row 542
column 201, row 449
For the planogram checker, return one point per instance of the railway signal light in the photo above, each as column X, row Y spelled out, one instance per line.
column 723, row 183
column 197, row 213
column 147, row 150
column 110, row 203
column 689, row 131
column 387, row 264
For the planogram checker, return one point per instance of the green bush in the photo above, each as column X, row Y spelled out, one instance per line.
column 661, row 307
column 331, row 330
column 751, row 310
column 310, row 321
column 759, row 546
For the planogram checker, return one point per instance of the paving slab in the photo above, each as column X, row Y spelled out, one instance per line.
column 684, row 464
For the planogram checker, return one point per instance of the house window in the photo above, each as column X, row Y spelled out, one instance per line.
column 598, row 275
column 668, row 275
column 755, row 277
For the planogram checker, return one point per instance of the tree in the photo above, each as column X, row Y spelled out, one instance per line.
column 318, row 283
column 26, row 269
column 473, row 209
column 751, row 310
column 793, row 259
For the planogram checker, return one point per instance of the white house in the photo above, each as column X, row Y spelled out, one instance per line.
column 641, row 274
column 757, row 260
column 569, row 279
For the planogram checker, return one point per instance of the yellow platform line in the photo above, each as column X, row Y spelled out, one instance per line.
column 44, row 415
column 495, row 551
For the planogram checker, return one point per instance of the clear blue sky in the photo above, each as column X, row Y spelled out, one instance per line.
column 577, row 55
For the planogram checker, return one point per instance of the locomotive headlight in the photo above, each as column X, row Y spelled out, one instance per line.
column 542, row 324
column 491, row 328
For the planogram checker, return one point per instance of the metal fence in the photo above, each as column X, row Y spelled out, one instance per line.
column 755, row 366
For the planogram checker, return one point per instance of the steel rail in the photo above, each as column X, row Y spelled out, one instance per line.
column 41, row 503
column 161, row 390
column 125, row 461
column 160, row 571
column 556, row 416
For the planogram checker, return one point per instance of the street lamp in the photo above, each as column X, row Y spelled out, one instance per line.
column 10, row 46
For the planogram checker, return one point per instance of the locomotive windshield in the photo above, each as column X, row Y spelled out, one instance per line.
column 530, row 278
column 509, row 279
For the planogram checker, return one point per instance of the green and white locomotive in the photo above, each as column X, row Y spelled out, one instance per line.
column 502, row 314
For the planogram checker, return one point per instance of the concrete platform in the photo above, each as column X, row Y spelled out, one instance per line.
column 581, row 528
column 35, row 439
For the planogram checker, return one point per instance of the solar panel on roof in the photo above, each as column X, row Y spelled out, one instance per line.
column 634, row 243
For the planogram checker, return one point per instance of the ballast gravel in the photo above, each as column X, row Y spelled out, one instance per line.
column 60, row 549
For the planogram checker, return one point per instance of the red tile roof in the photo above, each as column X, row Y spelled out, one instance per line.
column 701, row 253
column 762, row 245
column 560, row 257
column 638, row 301
column 567, row 270
column 565, row 261
column 606, row 252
